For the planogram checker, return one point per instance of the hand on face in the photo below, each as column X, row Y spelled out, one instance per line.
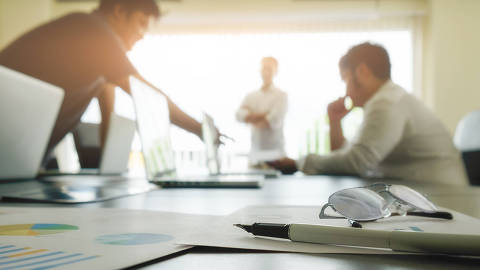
column 336, row 110
column 361, row 84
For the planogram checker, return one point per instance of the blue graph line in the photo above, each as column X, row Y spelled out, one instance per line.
column 42, row 262
column 30, row 258
column 7, row 246
column 416, row 229
column 65, row 263
column 13, row 250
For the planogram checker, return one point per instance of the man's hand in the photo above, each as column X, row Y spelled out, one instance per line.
column 221, row 138
column 254, row 117
column 263, row 123
column 259, row 120
column 336, row 110
column 285, row 165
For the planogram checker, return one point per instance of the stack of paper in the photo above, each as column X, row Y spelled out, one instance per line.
column 76, row 238
column 224, row 234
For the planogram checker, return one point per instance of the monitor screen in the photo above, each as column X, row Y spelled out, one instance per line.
column 153, row 123
column 210, row 135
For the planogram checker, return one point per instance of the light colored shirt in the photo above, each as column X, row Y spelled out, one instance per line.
column 273, row 102
column 399, row 138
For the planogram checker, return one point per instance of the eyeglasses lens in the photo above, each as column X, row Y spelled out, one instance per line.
column 412, row 197
column 359, row 204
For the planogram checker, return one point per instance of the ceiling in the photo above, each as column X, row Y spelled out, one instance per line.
column 271, row 11
column 205, row 15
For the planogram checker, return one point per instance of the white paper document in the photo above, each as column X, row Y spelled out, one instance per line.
column 224, row 234
column 81, row 238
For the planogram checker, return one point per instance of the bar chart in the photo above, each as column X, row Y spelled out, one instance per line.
column 15, row 257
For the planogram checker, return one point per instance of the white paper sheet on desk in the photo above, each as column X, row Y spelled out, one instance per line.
column 223, row 234
column 81, row 238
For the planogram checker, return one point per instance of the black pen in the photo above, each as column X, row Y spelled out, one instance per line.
column 445, row 243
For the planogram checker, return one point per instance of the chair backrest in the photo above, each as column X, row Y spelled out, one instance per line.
column 87, row 143
column 467, row 140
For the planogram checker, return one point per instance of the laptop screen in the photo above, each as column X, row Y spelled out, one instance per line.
column 210, row 134
column 28, row 110
column 153, row 123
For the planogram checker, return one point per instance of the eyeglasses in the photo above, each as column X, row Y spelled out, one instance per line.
column 378, row 201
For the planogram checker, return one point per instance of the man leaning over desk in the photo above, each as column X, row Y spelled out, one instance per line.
column 399, row 137
column 85, row 54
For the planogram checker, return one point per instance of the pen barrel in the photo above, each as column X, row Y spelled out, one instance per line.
column 320, row 234
column 455, row 244
column 270, row 230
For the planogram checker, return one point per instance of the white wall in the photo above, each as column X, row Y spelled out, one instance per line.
column 62, row 8
column 451, row 66
column 18, row 16
column 452, row 59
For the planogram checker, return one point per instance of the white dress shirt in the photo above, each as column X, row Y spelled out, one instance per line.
column 399, row 138
column 273, row 102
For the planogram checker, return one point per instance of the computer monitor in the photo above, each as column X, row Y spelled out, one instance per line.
column 118, row 144
column 153, row 123
column 210, row 135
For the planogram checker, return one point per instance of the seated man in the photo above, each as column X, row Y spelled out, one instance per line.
column 399, row 137
column 264, row 110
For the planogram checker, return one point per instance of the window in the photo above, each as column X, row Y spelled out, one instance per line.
column 213, row 72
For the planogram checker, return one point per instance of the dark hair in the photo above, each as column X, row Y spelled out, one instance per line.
column 373, row 55
column 149, row 7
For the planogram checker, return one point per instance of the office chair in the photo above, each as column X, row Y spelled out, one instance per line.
column 467, row 140
column 87, row 143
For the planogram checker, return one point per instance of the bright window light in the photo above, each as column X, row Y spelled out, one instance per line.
column 213, row 72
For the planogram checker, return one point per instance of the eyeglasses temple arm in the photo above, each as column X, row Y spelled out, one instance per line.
column 322, row 214
column 438, row 214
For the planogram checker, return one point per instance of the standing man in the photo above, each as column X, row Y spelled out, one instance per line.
column 399, row 137
column 85, row 54
column 264, row 110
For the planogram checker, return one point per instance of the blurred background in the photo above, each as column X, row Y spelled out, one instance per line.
column 205, row 54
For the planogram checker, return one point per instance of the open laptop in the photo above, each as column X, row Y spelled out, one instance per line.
column 115, row 152
column 118, row 144
column 210, row 135
column 28, row 110
column 153, row 124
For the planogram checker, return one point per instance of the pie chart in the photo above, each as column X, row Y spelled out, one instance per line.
column 35, row 229
column 133, row 239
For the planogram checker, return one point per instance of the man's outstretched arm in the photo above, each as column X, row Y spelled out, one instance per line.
column 106, row 102
column 177, row 116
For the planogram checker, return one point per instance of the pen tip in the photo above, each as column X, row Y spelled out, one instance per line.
column 243, row 227
column 238, row 225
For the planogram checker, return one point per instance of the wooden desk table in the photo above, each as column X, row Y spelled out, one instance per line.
column 293, row 190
